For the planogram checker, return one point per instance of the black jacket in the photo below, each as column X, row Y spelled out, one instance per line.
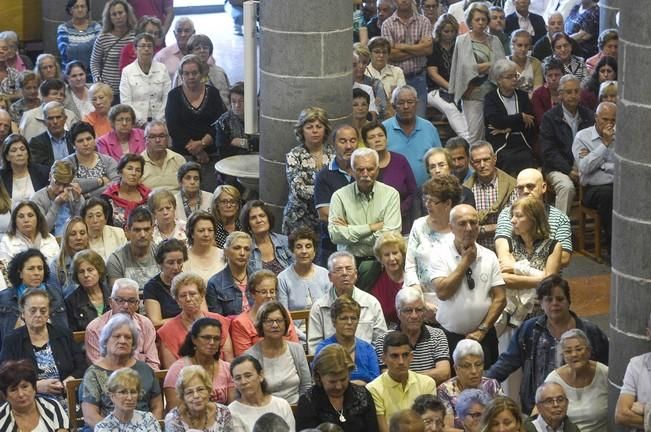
column 80, row 310
column 38, row 173
column 538, row 23
column 41, row 148
column 556, row 138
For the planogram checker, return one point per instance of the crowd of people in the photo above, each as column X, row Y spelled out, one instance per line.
column 426, row 274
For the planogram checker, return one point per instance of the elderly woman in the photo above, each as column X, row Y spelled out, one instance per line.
column 145, row 83
column 584, row 381
column 529, row 69
column 201, row 348
column 227, row 291
column 190, row 197
column 562, row 46
column 204, row 258
column 608, row 44
column 262, row 288
column 440, row 194
column 50, row 348
column 533, row 346
column 101, row 96
column 226, row 209
column 470, row 408
column 73, row 240
column 604, row 70
column 287, row 372
column 118, row 24
column 124, row 137
column 146, row 24
column 47, row 67
column 118, row 341
column 195, row 410
column 28, row 229
column 90, row 299
column 28, row 84
column 123, row 387
column 302, row 163
column 189, row 291
column 160, row 305
column 333, row 398
column 191, row 110
column 270, row 251
column 254, row 398
column 75, row 38
column 582, row 25
column 20, row 176
column 608, row 92
column 431, row 411
column 229, row 129
column 438, row 162
column 345, row 314
column 103, row 238
column 162, row 205
column 468, row 358
column 390, row 249
column 502, row 414
column 390, row 76
column 23, row 409
column 509, row 119
column 394, row 169
column 77, row 94
column 128, row 192
column 474, row 54
column 547, row 96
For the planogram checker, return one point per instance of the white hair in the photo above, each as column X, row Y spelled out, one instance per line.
column 124, row 283
column 408, row 295
column 398, row 90
column 364, row 152
column 338, row 254
column 467, row 347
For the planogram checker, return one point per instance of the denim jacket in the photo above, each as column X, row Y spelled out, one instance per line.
column 281, row 251
column 222, row 296
column 533, row 349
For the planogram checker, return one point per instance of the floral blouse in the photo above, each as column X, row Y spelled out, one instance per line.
column 222, row 421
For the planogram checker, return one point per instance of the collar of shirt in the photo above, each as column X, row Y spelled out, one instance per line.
column 393, row 383
column 541, row 424
column 490, row 185
column 594, row 135
column 334, row 166
column 361, row 195
column 57, row 140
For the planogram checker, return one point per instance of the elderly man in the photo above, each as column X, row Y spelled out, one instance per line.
column 124, row 299
column 398, row 387
column 468, row 283
column 385, row 9
column 61, row 199
column 543, row 48
column 343, row 275
column 161, row 163
column 431, row 355
column 594, row 151
column 530, row 182
column 523, row 18
column 33, row 121
column 551, row 404
column 5, row 124
column 410, row 35
column 557, row 131
column 53, row 144
column 135, row 260
column 409, row 134
column 493, row 189
column 171, row 55
column 361, row 211
column 633, row 409
column 331, row 178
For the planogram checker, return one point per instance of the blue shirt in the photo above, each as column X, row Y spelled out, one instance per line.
column 367, row 367
column 59, row 147
column 413, row 146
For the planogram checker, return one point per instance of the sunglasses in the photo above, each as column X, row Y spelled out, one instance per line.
column 470, row 280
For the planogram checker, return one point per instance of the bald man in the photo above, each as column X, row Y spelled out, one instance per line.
column 530, row 182
column 594, row 151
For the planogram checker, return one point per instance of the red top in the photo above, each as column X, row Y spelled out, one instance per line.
column 385, row 290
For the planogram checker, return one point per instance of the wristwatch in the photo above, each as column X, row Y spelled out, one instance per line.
column 482, row 328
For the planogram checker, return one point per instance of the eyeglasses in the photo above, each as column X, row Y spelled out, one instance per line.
column 343, row 270
column 410, row 102
column 122, row 300
column 466, row 366
column 209, row 338
column 272, row 322
column 428, row 199
column 191, row 392
column 228, row 203
column 470, row 280
column 189, row 295
column 157, row 137
column 475, row 415
column 560, row 400
column 124, row 393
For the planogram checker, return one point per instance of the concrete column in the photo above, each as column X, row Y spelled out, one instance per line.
column 607, row 11
column 630, row 301
column 305, row 60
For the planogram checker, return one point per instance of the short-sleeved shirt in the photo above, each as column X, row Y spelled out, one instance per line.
column 222, row 382
column 156, row 289
column 122, row 264
column 141, row 421
column 390, row 397
column 559, row 226
column 431, row 347
column 637, row 379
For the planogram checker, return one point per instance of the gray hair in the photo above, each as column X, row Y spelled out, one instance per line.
column 184, row 20
column 364, row 152
column 10, row 36
column 467, row 347
column 270, row 422
column 565, row 79
column 124, row 283
column 468, row 398
column 153, row 123
column 338, row 254
column 543, row 387
column 606, row 85
column 553, row 14
column 501, row 67
column 117, row 321
column 575, row 333
column 453, row 212
column 236, row 235
column 52, row 105
column 408, row 295
column 479, row 144
column 398, row 90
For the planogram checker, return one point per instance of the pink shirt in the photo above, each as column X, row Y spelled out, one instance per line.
column 244, row 335
column 109, row 144
column 173, row 332
column 151, row 7
column 222, row 382
column 146, row 349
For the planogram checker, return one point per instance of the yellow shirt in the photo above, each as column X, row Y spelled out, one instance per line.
column 390, row 397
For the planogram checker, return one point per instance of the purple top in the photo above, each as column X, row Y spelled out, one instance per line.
column 398, row 175
column 109, row 144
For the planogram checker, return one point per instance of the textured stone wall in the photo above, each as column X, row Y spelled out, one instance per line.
column 305, row 60
column 607, row 11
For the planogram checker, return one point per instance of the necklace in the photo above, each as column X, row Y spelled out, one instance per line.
column 238, row 279
column 342, row 419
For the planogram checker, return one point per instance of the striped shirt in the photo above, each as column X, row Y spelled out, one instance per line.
column 410, row 32
column 431, row 347
column 559, row 226
column 105, row 59
column 51, row 412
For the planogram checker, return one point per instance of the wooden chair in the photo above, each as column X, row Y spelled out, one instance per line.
column 72, row 392
column 589, row 223
column 304, row 315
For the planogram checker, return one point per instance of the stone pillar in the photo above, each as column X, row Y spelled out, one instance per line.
column 305, row 60
column 607, row 12
column 630, row 300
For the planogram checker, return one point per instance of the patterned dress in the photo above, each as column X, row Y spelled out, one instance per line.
column 222, row 421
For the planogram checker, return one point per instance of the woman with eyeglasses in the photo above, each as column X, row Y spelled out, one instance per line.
column 124, row 137
column 146, row 24
column 262, row 288
column 201, row 348
column 226, row 209
column 195, row 411
column 470, row 409
column 287, row 372
column 189, row 290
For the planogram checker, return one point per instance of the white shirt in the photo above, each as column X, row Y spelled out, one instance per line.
column 245, row 416
column 146, row 93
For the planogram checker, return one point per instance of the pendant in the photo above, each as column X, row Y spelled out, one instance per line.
column 342, row 419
